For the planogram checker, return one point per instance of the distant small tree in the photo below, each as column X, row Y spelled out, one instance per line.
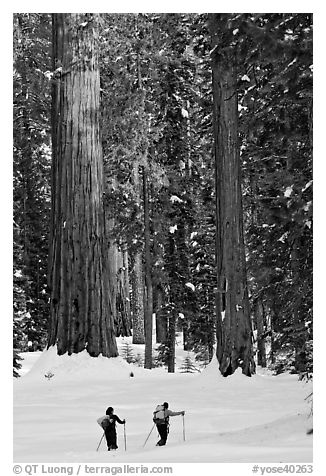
column 188, row 366
column 162, row 355
column 127, row 353
column 16, row 364
column 139, row 360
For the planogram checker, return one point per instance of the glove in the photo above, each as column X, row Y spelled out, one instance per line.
column 183, row 412
column 124, row 421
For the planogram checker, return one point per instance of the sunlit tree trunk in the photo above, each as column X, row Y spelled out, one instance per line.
column 123, row 323
column 138, row 331
column 81, row 307
column 126, row 282
column 113, row 266
column 117, row 281
column 261, row 331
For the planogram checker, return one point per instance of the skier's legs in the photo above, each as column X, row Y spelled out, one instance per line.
column 163, row 432
column 111, row 439
column 108, row 439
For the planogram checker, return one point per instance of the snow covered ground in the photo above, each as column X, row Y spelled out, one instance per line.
column 228, row 420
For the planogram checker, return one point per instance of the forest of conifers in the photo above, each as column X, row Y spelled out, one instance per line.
column 163, row 174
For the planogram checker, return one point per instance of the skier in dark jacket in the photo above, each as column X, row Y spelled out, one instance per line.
column 162, row 425
column 108, row 422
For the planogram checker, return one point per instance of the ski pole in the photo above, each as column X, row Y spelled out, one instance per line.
column 148, row 435
column 100, row 442
column 124, row 434
column 184, row 432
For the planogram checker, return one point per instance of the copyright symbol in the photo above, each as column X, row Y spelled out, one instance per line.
column 17, row 469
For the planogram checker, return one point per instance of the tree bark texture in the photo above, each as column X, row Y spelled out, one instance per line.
column 148, row 278
column 113, row 265
column 172, row 313
column 117, row 281
column 137, row 301
column 161, row 319
column 299, row 328
column 234, row 335
column 81, row 307
column 172, row 320
column 138, row 330
column 261, row 332
column 126, row 283
column 118, row 290
column 123, row 324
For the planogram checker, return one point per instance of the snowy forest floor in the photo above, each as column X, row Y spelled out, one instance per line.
column 228, row 420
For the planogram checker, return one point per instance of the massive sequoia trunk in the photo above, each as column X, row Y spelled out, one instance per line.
column 234, row 335
column 81, row 312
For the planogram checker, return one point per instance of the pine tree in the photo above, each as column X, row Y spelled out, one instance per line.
column 275, row 90
column 127, row 353
column 31, row 174
column 16, row 363
column 188, row 366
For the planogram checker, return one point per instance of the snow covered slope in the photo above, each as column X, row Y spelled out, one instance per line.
column 236, row 419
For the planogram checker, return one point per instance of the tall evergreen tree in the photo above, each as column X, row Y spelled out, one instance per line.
column 275, row 90
column 81, row 307
column 234, row 336
column 31, row 172
column 122, row 139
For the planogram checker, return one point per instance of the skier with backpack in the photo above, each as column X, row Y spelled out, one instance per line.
column 108, row 422
column 161, row 419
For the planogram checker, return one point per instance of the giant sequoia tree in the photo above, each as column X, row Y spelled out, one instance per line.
column 234, row 347
column 156, row 70
column 81, row 314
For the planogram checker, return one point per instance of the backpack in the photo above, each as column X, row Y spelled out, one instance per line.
column 159, row 415
column 106, row 423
